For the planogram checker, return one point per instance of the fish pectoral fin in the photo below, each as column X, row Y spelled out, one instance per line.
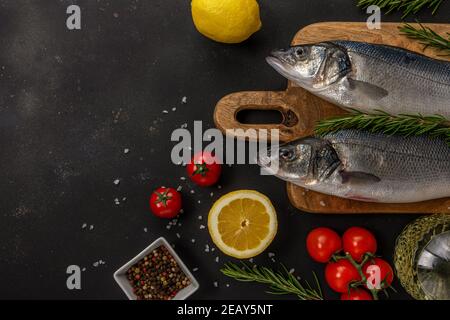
column 358, row 178
column 367, row 89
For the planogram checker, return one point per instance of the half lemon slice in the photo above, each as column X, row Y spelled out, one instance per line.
column 242, row 223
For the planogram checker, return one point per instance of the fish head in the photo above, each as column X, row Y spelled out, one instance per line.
column 293, row 160
column 312, row 66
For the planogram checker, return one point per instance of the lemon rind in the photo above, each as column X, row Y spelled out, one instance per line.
column 225, row 200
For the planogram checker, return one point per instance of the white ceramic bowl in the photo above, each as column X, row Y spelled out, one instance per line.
column 121, row 275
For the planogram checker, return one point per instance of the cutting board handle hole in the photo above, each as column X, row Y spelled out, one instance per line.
column 256, row 116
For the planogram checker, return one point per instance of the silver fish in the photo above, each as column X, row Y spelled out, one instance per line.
column 368, row 77
column 366, row 166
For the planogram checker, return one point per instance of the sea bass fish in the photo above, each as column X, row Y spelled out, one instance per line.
column 365, row 166
column 368, row 77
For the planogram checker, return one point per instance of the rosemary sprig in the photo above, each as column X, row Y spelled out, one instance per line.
column 427, row 36
column 280, row 282
column 406, row 6
column 406, row 125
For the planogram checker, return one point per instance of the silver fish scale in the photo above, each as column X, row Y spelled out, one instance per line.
column 417, row 64
column 414, row 84
column 414, row 168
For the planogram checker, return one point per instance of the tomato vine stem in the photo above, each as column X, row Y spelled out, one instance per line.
column 358, row 266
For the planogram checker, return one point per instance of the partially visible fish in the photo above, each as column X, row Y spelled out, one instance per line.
column 368, row 167
column 367, row 77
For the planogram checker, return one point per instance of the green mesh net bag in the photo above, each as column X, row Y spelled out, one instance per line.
column 421, row 257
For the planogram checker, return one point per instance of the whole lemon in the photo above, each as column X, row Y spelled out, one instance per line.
column 227, row 21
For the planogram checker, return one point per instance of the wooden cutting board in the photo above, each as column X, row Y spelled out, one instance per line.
column 301, row 110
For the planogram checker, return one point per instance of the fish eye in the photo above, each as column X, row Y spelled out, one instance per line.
column 299, row 51
column 287, row 154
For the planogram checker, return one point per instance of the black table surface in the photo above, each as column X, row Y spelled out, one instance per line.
column 72, row 101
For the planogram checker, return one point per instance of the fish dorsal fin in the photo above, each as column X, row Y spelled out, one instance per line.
column 367, row 90
column 358, row 177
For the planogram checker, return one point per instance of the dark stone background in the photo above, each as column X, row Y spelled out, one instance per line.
column 71, row 101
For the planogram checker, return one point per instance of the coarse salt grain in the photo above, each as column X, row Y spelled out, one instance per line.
column 145, row 229
column 182, row 178
column 116, row 182
column 84, row 226
column 193, row 240
column 179, row 188
column 91, row 227
column 217, row 259
column 174, row 109
column 202, row 226
column 200, row 217
column 192, row 191
column 165, row 111
column 216, row 284
column 126, row 150
column 178, row 235
column 184, row 100
column 292, row 271
column 195, row 269
column 271, row 254
column 322, row 203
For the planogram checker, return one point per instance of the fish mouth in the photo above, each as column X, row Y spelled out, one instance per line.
column 280, row 66
column 278, row 56
column 275, row 62
column 284, row 67
column 263, row 160
column 277, row 53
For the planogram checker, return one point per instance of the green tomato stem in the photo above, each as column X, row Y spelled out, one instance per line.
column 358, row 267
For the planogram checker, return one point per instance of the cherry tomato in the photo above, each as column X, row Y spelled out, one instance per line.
column 356, row 294
column 359, row 241
column 322, row 243
column 386, row 273
column 340, row 274
column 204, row 169
column 165, row 202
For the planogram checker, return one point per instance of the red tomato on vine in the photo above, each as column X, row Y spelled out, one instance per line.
column 356, row 294
column 386, row 275
column 339, row 275
column 359, row 241
column 322, row 243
